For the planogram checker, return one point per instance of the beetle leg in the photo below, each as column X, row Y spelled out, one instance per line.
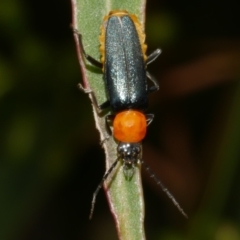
column 153, row 56
column 149, row 118
column 98, row 107
column 92, row 60
column 155, row 87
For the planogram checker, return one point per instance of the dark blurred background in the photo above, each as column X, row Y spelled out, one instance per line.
column 50, row 157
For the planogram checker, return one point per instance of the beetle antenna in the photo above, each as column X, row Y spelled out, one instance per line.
column 105, row 176
column 164, row 189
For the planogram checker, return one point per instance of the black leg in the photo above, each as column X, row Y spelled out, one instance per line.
column 108, row 123
column 92, row 60
column 98, row 107
column 108, row 120
column 155, row 87
column 149, row 117
column 153, row 56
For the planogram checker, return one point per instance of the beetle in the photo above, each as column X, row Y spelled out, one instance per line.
column 124, row 64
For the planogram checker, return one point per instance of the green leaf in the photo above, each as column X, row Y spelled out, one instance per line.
column 125, row 196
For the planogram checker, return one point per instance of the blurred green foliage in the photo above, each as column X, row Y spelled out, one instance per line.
column 50, row 159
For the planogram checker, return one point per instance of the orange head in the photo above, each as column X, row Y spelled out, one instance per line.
column 129, row 126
